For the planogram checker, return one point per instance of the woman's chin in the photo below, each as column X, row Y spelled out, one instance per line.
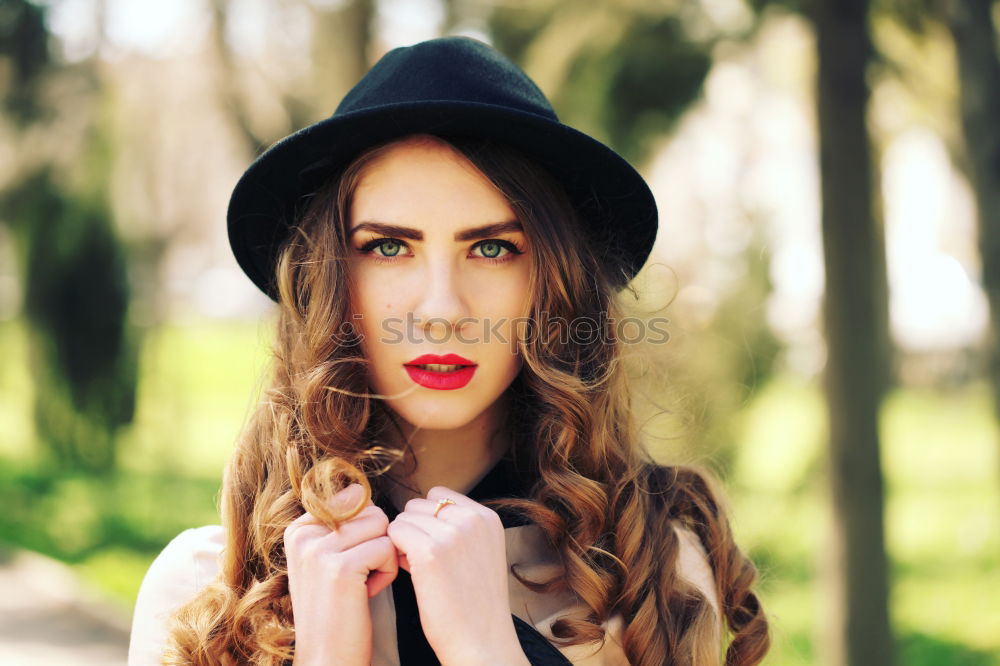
column 436, row 413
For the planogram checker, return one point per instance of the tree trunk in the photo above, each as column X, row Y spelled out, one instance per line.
column 856, row 374
column 975, row 37
column 340, row 52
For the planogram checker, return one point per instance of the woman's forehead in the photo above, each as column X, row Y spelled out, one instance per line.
column 424, row 182
column 415, row 154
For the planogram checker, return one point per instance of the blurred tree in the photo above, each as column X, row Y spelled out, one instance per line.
column 335, row 70
column 973, row 30
column 76, row 291
column 624, row 72
column 75, row 301
column 228, row 83
column 332, row 70
column 856, row 322
column 975, row 35
column 24, row 46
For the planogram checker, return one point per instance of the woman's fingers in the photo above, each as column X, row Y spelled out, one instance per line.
column 443, row 492
column 464, row 508
column 304, row 528
column 338, row 502
column 408, row 538
column 346, row 497
column 402, row 530
column 432, row 527
column 370, row 523
column 425, row 507
column 377, row 556
column 404, row 562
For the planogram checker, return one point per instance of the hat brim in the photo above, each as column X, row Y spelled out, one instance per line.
column 611, row 197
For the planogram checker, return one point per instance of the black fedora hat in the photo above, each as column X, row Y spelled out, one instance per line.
column 449, row 86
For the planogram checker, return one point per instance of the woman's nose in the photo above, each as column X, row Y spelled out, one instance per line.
column 442, row 304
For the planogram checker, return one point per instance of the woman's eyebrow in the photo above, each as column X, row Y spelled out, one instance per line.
column 488, row 230
column 473, row 233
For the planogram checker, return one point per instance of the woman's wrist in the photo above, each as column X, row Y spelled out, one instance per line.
column 509, row 656
column 491, row 652
column 513, row 655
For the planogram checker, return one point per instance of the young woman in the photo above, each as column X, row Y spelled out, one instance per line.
column 445, row 467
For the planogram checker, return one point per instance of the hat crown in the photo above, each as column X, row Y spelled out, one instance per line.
column 447, row 69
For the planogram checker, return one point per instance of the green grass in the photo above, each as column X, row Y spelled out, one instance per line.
column 199, row 382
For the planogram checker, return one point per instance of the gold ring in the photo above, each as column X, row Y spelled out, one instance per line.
column 441, row 504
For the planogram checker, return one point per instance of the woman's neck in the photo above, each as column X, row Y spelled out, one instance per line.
column 457, row 459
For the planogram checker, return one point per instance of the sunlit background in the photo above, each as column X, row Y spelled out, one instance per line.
column 126, row 124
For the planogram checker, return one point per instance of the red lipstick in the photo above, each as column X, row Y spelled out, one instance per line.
column 435, row 378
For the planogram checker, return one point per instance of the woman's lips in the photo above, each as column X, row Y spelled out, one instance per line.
column 447, row 359
column 437, row 379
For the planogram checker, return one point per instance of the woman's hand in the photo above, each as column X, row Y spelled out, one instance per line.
column 458, row 562
column 329, row 582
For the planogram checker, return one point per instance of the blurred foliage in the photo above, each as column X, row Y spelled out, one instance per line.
column 713, row 367
column 631, row 72
column 73, row 268
column 746, row 361
column 918, row 16
column 76, row 301
column 799, row 6
column 646, row 86
column 72, row 516
column 24, row 49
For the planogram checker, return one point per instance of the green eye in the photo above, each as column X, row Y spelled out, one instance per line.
column 491, row 250
column 390, row 248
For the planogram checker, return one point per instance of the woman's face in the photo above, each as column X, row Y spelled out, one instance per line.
column 440, row 266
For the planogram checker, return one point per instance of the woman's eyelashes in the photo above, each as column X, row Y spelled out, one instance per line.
column 492, row 250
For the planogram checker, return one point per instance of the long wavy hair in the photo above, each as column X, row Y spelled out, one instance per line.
column 599, row 497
